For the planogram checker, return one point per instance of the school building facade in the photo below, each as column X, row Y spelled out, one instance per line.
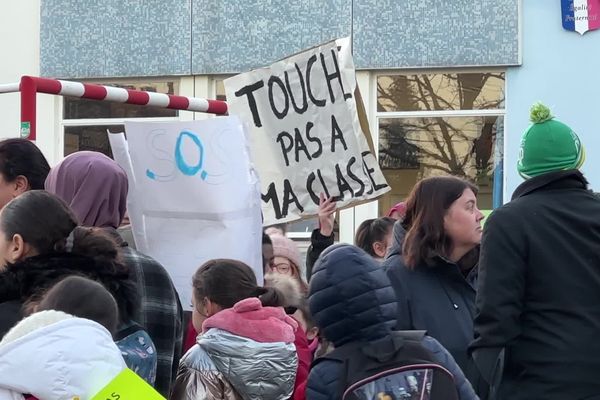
column 447, row 85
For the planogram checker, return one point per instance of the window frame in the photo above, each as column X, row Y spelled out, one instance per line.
column 63, row 123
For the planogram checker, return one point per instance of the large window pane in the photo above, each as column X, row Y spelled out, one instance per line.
column 411, row 149
column 76, row 108
column 437, row 92
column 92, row 138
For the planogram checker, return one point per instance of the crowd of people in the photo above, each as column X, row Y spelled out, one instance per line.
column 426, row 304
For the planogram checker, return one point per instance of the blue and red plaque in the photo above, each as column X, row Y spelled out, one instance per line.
column 581, row 15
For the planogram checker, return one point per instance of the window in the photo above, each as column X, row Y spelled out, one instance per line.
column 220, row 90
column 441, row 124
column 85, row 122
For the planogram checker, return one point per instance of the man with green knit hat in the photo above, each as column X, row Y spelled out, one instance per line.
column 538, row 301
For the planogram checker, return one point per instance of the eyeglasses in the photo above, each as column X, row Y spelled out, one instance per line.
column 282, row 268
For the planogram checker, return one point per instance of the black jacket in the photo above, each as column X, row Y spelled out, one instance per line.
column 352, row 301
column 318, row 243
column 438, row 299
column 539, row 290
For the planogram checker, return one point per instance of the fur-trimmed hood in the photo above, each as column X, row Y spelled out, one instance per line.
column 288, row 286
column 55, row 356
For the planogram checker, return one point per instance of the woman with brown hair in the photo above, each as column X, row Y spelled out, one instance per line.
column 433, row 269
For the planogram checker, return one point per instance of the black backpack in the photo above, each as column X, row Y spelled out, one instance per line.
column 397, row 367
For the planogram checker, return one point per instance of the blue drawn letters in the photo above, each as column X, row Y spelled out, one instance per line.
column 180, row 162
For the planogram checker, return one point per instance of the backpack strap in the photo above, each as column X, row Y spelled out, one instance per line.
column 127, row 330
column 342, row 353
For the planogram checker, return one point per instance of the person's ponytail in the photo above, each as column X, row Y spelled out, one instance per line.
column 270, row 297
column 98, row 245
column 94, row 243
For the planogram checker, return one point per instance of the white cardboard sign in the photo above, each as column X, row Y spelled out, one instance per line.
column 193, row 194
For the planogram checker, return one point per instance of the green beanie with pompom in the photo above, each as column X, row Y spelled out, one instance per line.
column 548, row 145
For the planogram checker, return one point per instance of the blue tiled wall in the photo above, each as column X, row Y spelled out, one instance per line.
column 234, row 35
column 433, row 33
column 84, row 38
column 90, row 38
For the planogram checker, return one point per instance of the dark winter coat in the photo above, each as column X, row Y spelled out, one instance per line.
column 318, row 244
column 539, row 290
column 438, row 299
column 351, row 300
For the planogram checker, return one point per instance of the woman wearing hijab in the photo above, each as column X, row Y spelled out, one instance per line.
column 95, row 187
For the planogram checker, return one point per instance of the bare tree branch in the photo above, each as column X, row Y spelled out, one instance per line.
column 438, row 167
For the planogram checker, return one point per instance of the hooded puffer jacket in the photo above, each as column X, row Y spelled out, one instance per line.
column 245, row 353
column 352, row 300
column 55, row 356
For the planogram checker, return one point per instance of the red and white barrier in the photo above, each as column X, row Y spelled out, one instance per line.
column 30, row 86
column 9, row 88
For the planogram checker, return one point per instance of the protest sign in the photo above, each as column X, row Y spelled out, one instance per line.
column 306, row 136
column 128, row 386
column 193, row 195
column 486, row 215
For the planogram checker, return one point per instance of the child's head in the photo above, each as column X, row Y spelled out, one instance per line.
column 83, row 298
column 286, row 256
column 374, row 236
column 287, row 260
column 351, row 298
column 221, row 283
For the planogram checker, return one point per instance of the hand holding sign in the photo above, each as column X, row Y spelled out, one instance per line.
column 327, row 209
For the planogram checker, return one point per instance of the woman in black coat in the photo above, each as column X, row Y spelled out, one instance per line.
column 432, row 263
